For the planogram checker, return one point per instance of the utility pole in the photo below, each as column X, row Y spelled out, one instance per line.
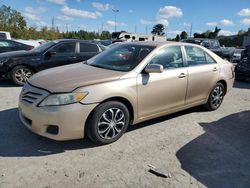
column 67, row 28
column 52, row 24
column 191, row 30
column 115, row 11
column 146, row 29
column 135, row 29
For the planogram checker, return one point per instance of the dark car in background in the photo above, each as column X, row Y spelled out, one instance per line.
column 10, row 45
column 19, row 66
column 237, row 56
column 214, row 46
column 242, row 69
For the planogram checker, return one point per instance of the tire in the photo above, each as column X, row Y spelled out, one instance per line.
column 20, row 75
column 216, row 97
column 108, row 122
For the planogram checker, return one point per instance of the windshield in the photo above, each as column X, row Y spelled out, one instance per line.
column 121, row 57
column 43, row 47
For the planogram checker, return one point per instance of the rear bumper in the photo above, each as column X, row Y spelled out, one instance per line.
column 69, row 120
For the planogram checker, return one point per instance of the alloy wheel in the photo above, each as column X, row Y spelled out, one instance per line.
column 217, row 96
column 111, row 123
column 22, row 75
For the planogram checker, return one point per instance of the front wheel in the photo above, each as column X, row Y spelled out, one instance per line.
column 108, row 122
column 20, row 75
column 216, row 97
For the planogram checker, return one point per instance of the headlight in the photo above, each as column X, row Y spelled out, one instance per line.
column 3, row 60
column 63, row 99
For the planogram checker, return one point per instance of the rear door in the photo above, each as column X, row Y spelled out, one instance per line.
column 63, row 54
column 203, row 73
column 87, row 50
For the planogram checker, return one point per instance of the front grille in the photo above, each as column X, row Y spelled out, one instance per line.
column 33, row 95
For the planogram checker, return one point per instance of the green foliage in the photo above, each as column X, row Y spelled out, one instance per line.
column 13, row 22
column 184, row 35
column 177, row 38
column 158, row 29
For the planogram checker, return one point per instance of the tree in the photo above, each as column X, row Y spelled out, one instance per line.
column 158, row 29
column 184, row 35
column 11, row 19
column 177, row 38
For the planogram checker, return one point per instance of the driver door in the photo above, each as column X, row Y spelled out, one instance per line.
column 161, row 92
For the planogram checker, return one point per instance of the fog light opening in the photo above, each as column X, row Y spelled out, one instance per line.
column 52, row 129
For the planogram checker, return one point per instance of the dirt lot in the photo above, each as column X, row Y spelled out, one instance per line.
column 198, row 149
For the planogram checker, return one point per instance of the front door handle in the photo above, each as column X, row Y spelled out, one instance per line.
column 215, row 69
column 72, row 57
column 182, row 75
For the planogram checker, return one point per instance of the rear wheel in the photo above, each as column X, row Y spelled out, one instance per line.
column 108, row 122
column 20, row 75
column 216, row 97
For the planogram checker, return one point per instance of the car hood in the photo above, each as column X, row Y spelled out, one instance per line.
column 68, row 78
column 20, row 53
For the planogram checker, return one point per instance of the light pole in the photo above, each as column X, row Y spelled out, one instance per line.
column 115, row 11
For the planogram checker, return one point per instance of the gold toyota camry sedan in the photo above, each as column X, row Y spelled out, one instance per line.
column 127, row 84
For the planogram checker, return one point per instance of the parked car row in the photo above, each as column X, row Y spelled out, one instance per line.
column 19, row 66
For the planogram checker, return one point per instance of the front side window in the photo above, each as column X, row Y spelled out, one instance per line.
column 169, row 57
column 65, row 48
column 85, row 47
column 121, row 57
column 195, row 56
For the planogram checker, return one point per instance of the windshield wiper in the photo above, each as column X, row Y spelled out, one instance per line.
column 98, row 66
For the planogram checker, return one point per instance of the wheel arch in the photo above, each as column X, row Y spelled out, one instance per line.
column 224, row 83
column 124, row 101
column 26, row 65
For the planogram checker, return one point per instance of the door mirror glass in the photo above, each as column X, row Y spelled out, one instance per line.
column 154, row 68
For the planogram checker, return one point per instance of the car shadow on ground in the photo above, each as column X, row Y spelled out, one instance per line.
column 17, row 141
column 242, row 84
column 220, row 156
column 7, row 83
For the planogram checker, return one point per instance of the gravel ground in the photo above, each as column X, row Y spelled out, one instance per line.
column 198, row 149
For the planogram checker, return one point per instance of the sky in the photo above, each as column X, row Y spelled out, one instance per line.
column 136, row 16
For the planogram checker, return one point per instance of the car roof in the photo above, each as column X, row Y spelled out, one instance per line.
column 72, row 40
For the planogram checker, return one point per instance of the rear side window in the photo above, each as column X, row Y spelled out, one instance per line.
column 65, row 48
column 4, row 44
column 84, row 47
column 209, row 59
column 169, row 57
column 195, row 56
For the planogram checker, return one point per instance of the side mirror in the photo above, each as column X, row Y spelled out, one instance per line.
column 51, row 53
column 154, row 68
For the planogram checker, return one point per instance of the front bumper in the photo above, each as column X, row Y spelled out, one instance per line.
column 69, row 119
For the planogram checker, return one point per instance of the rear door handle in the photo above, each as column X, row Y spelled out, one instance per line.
column 215, row 69
column 72, row 57
column 182, row 75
